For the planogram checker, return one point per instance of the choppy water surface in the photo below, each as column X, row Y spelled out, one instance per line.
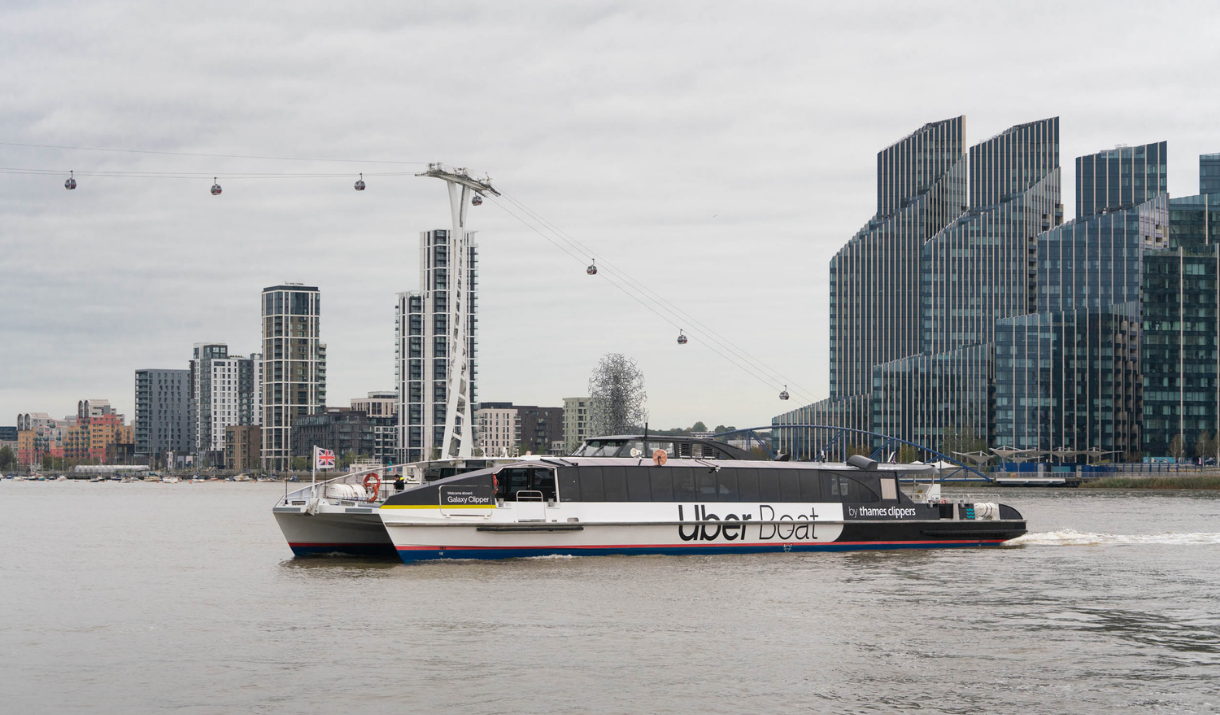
column 141, row 598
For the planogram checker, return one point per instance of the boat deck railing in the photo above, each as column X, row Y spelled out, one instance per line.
column 323, row 488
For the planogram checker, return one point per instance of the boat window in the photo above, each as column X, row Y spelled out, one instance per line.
column 889, row 489
column 811, row 486
column 511, row 481
column 638, row 486
column 835, row 487
column 543, row 480
column 634, row 448
column 614, row 483
column 684, row 450
column 789, row 485
column 862, row 492
column 684, row 484
column 662, row 482
column 607, row 449
column 747, row 484
column 726, row 484
column 707, row 484
column 768, row 485
column 599, row 448
column 654, row 446
column 591, row 484
column 569, row 488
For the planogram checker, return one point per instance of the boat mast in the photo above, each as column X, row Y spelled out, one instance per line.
column 459, row 436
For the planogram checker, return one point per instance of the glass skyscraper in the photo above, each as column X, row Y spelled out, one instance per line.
column 1095, row 261
column 1209, row 173
column 1120, row 178
column 1068, row 377
column 977, row 270
column 875, row 278
column 1068, row 380
column 1092, row 339
column 981, row 267
column 1181, row 321
column 918, row 398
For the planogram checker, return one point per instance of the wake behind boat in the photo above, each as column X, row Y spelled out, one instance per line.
column 599, row 506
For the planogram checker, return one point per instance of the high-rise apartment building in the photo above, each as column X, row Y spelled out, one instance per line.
column 294, row 366
column 1180, row 302
column 225, row 390
column 982, row 266
column 1120, row 178
column 875, row 290
column 163, row 414
column 976, row 270
column 1067, row 381
column 1083, row 340
column 429, row 385
column 1068, row 377
column 1209, row 173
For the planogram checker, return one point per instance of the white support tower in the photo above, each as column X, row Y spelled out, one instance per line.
column 459, row 423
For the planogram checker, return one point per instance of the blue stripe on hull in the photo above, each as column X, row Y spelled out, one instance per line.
column 412, row 555
column 374, row 550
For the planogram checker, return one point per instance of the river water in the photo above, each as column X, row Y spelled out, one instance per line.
column 153, row 598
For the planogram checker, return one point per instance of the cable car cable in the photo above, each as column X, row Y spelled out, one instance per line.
column 212, row 156
column 746, row 368
column 724, row 342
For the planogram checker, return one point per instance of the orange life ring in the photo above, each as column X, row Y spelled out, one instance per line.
column 660, row 457
column 376, row 489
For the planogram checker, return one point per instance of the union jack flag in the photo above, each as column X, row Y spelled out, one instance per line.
column 323, row 458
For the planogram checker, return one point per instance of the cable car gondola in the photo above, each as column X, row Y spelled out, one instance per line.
column 681, row 338
column 784, row 395
column 477, row 200
column 360, row 183
column 592, row 269
column 70, row 184
column 215, row 187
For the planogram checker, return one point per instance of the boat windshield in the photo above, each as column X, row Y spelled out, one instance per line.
column 600, row 448
column 626, row 448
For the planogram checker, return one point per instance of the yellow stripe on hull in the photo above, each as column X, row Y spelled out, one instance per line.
column 426, row 506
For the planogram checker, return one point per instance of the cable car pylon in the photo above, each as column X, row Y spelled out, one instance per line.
column 458, row 437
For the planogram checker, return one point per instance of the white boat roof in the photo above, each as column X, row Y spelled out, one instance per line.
column 734, row 463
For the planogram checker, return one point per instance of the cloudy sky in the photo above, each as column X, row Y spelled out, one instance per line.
column 719, row 153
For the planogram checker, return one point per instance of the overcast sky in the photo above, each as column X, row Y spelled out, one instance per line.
column 719, row 152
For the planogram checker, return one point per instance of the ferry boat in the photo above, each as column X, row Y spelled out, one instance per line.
column 600, row 506
column 340, row 515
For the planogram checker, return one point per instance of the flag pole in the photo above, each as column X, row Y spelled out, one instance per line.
column 313, row 471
